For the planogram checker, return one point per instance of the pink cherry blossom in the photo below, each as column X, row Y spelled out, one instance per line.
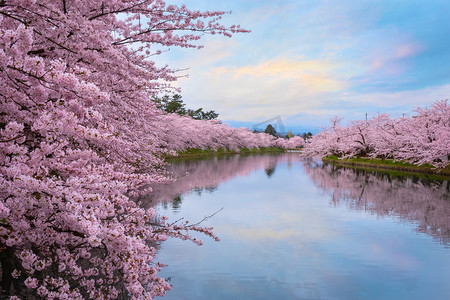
column 80, row 137
column 421, row 139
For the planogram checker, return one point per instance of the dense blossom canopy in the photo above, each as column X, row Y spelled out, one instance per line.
column 178, row 133
column 79, row 136
column 421, row 139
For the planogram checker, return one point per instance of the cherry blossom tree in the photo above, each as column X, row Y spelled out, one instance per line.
column 421, row 139
column 328, row 141
column 76, row 79
column 177, row 133
column 291, row 143
column 425, row 138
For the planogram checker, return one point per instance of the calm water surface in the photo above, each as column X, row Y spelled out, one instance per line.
column 296, row 229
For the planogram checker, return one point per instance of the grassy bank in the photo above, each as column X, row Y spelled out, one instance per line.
column 390, row 166
column 199, row 152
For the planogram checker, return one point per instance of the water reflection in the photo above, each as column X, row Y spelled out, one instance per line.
column 425, row 202
column 204, row 175
column 294, row 229
column 270, row 171
column 412, row 199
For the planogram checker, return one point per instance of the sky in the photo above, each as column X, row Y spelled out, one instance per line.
column 307, row 61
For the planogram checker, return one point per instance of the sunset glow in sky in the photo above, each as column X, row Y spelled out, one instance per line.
column 307, row 61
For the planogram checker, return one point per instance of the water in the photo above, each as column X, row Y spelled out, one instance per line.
column 295, row 229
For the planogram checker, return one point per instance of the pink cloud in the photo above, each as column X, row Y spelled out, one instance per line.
column 407, row 50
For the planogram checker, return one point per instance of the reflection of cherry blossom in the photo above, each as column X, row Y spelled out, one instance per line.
column 208, row 173
column 424, row 202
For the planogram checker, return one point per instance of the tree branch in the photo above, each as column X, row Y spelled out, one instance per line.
column 205, row 218
column 12, row 139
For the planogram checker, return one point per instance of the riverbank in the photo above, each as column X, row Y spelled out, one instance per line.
column 199, row 152
column 390, row 166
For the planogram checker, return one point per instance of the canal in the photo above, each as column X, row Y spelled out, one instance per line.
column 292, row 228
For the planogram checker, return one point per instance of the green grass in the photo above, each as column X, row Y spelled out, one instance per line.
column 395, row 168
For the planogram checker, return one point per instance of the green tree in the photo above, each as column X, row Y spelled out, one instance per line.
column 176, row 105
column 306, row 136
column 172, row 104
column 199, row 114
column 270, row 130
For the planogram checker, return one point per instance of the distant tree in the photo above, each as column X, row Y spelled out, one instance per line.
column 270, row 130
column 210, row 115
column 289, row 134
column 172, row 104
column 306, row 136
column 176, row 105
column 199, row 114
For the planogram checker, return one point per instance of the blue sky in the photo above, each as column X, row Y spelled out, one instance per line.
column 307, row 61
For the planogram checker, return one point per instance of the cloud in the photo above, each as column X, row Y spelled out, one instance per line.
column 313, row 75
column 308, row 61
column 385, row 101
column 314, row 90
column 390, row 62
column 277, row 86
column 407, row 50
